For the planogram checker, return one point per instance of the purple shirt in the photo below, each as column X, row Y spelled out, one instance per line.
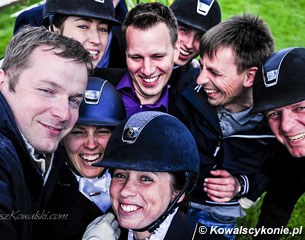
column 132, row 102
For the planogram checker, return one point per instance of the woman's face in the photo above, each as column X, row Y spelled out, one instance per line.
column 139, row 198
column 85, row 145
column 90, row 32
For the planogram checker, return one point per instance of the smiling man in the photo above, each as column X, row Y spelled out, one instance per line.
column 233, row 143
column 82, row 190
column 42, row 83
column 192, row 24
column 150, row 32
column 279, row 92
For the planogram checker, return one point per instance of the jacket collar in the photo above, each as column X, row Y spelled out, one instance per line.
column 198, row 100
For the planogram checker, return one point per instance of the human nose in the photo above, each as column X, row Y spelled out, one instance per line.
column 148, row 68
column 203, row 77
column 94, row 36
column 287, row 121
column 129, row 188
column 91, row 141
column 61, row 110
column 189, row 42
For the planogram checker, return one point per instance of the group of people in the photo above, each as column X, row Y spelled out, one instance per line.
column 109, row 117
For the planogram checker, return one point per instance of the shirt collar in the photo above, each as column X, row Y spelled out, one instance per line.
column 242, row 117
column 39, row 159
column 126, row 84
column 160, row 232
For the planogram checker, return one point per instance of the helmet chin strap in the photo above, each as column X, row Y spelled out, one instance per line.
column 170, row 209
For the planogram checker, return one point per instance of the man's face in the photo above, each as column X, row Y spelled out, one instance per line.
column 189, row 39
column 150, row 59
column 90, row 32
column 222, row 83
column 46, row 99
column 288, row 125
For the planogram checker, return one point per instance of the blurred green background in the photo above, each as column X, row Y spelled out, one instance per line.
column 285, row 18
column 287, row 23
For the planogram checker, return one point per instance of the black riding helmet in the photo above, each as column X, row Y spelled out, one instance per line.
column 100, row 9
column 102, row 104
column 152, row 141
column 280, row 81
column 186, row 13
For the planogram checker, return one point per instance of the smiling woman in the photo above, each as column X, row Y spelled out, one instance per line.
column 82, row 190
column 87, row 23
column 153, row 172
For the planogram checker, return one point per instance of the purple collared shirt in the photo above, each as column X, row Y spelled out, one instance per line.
column 132, row 102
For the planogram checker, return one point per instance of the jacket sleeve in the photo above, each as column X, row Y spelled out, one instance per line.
column 12, row 191
column 254, row 185
column 245, row 158
column 7, row 214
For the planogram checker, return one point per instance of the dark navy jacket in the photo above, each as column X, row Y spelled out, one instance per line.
column 32, row 17
column 287, row 185
column 22, row 193
column 183, row 227
column 69, row 201
column 240, row 154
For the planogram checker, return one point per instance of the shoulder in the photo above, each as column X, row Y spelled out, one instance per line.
column 11, row 173
column 32, row 12
column 182, row 225
column 183, row 78
column 185, row 226
column 31, row 17
column 8, row 154
column 113, row 75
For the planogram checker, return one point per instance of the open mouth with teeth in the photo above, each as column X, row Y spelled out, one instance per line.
column 94, row 54
column 210, row 91
column 91, row 158
column 184, row 55
column 129, row 208
column 297, row 137
column 150, row 80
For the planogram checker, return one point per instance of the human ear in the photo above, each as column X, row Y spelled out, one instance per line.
column 176, row 50
column 249, row 77
column 55, row 29
column 181, row 197
column 3, row 79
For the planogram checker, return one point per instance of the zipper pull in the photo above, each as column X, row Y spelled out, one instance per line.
column 216, row 150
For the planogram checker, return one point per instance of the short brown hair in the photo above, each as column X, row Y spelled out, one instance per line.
column 248, row 36
column 146, row 15
column 21, row 46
